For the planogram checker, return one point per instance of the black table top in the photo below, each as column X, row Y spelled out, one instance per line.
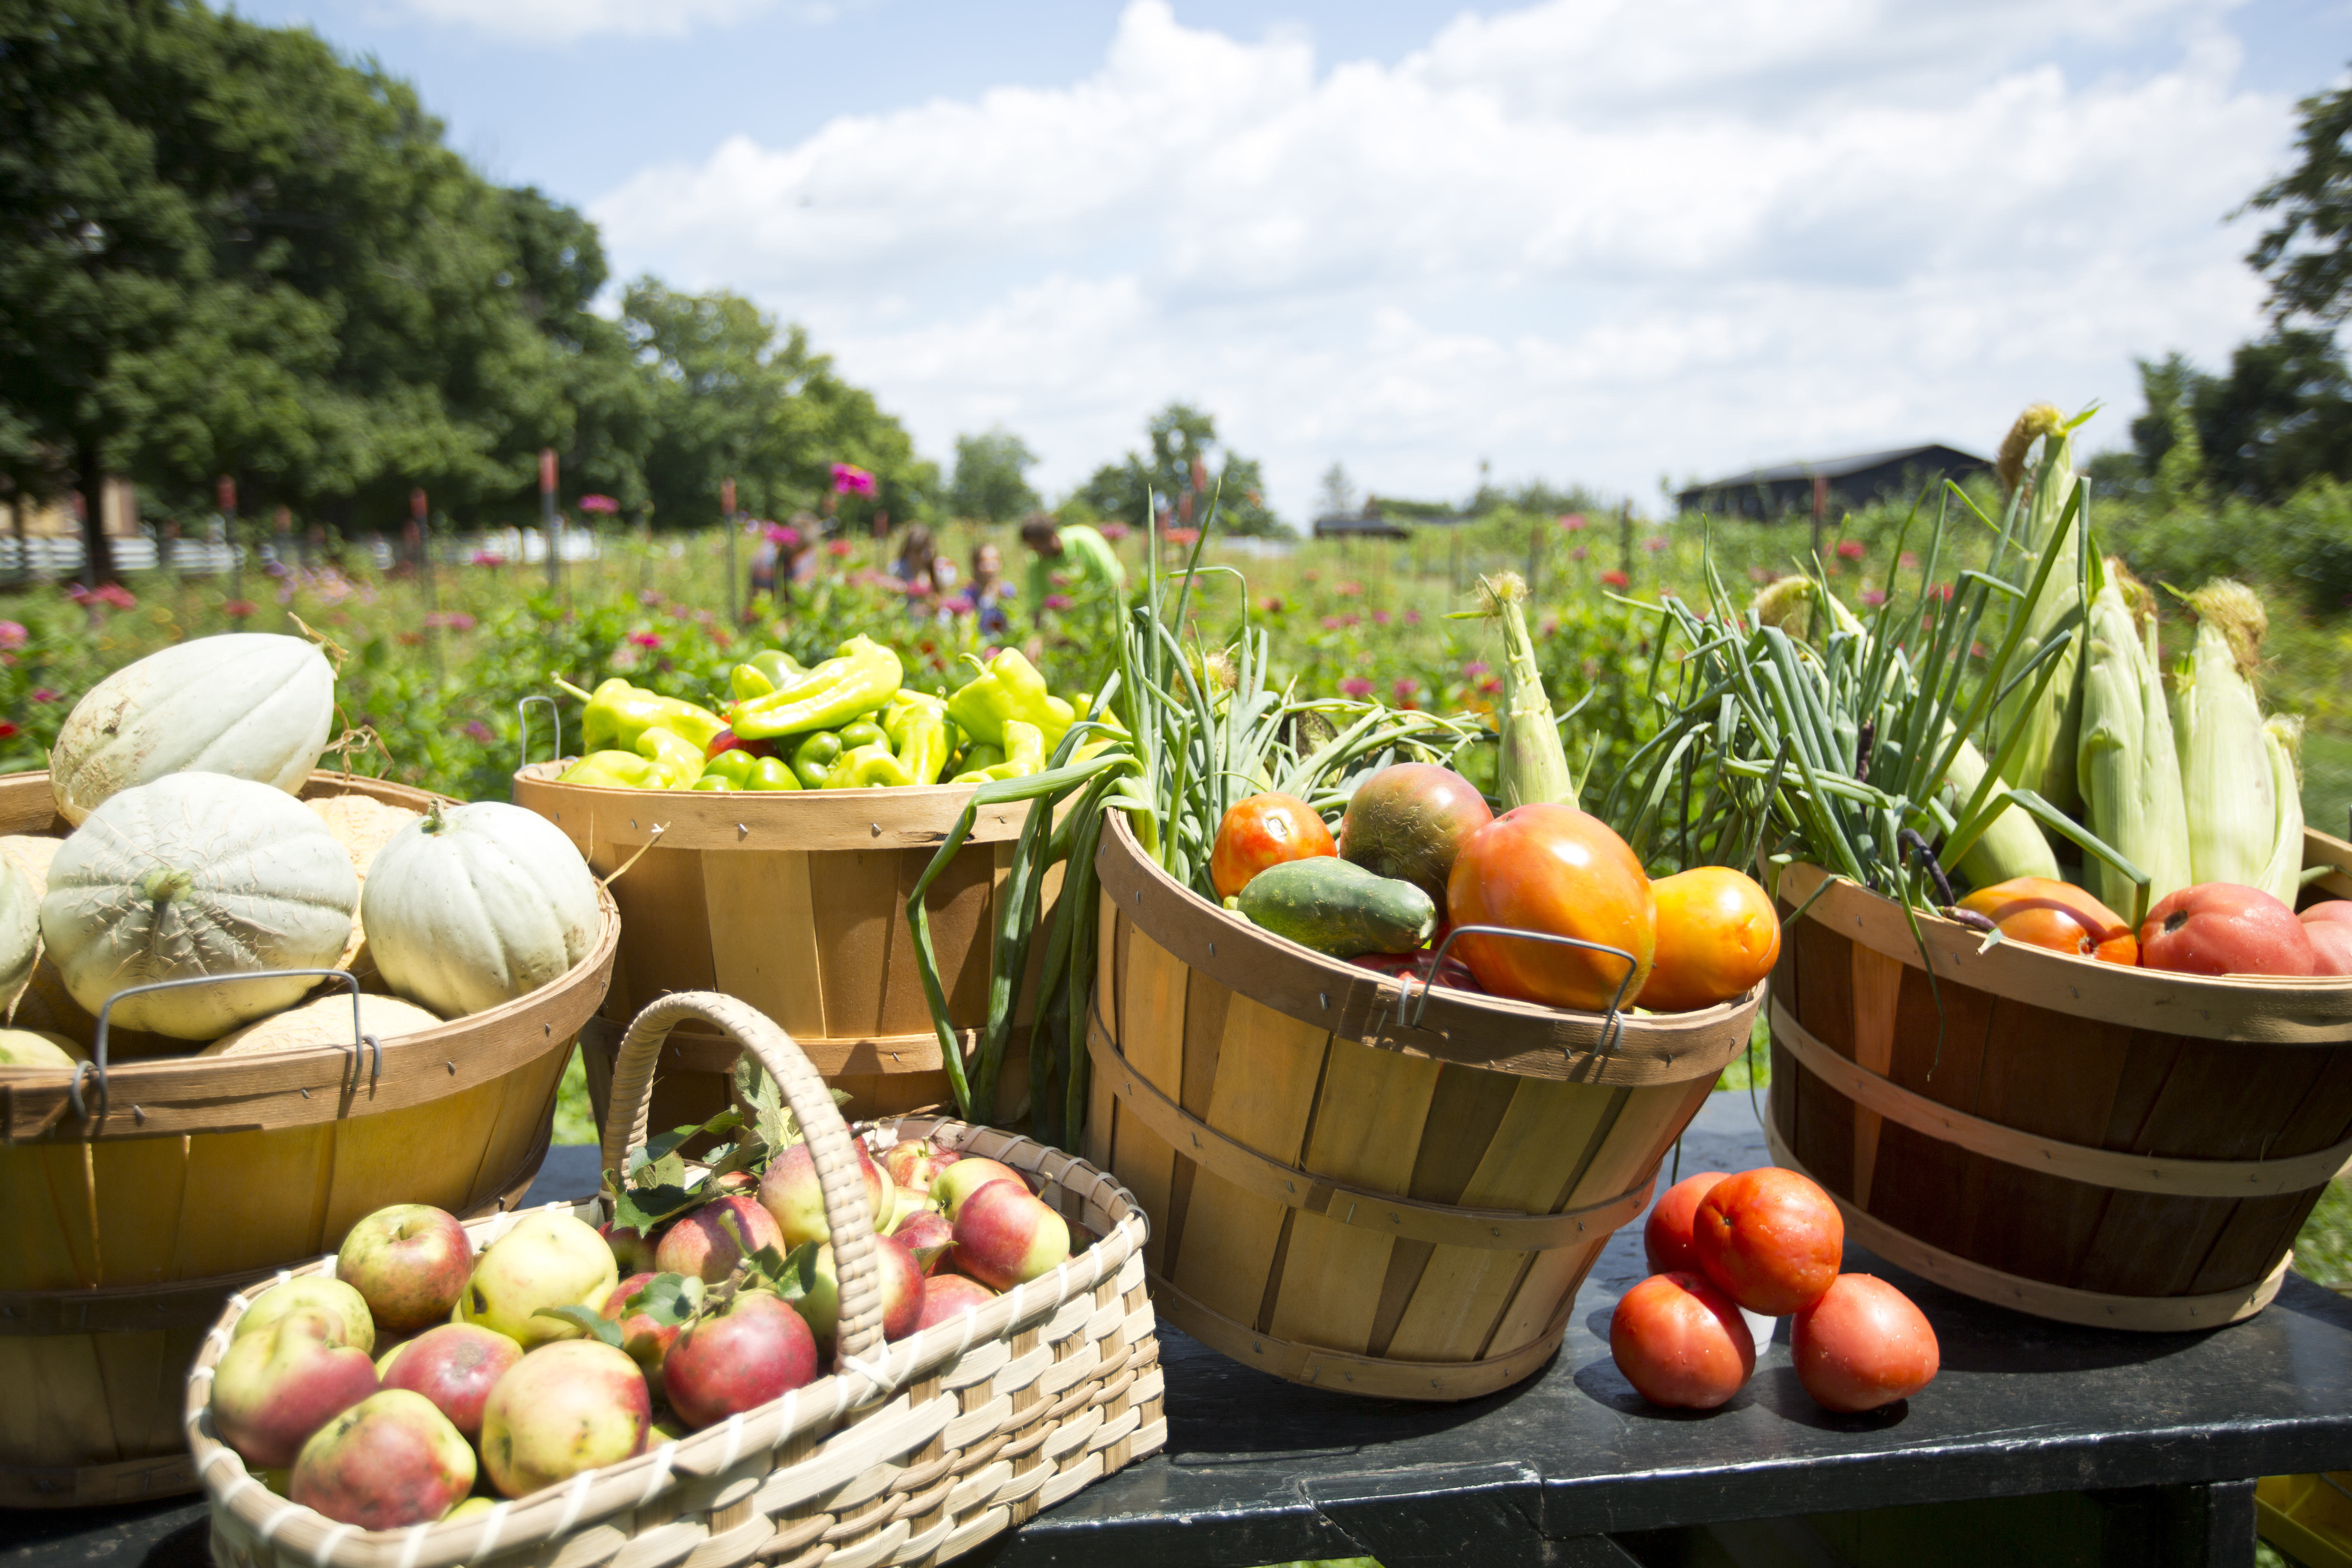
column 1257, row 1470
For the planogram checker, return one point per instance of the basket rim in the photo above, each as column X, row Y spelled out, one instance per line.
column 2264, row 1009
column 557, row 1512
column 1476, row 1031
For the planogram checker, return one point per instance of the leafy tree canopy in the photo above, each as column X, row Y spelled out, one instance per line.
column 2306, row 253
column 1176, row 468
column 991, row 477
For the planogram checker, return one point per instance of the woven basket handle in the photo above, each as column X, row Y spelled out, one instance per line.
column 829, row 1139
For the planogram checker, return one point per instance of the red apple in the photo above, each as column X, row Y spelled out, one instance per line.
column 757, row 1350
column 967, row 1176
column 410, row 1262
column 2221, row 928
column 455, row 1366
column 701, row 1246
column 2331, row 945
column 632, row 1250
column 1006, row 1236
column 273, row 1389
column 315, row 1293
column 915, row 1163
column 573, row 1405
column 391, row 1460
column 927, row 1234
column 903, row 1287
column 645, row 1340
column 1667, row 1237
column 947, row 1296
column 789, row 1192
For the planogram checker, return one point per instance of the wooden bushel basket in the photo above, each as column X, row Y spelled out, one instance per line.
column 1347, row 1191
column 2125, row 1148
column 908, row 1453
column 191, row 1178
column 797, row 902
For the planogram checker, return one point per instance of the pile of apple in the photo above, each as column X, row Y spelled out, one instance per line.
column 1768, row 1241
column 421, row 1380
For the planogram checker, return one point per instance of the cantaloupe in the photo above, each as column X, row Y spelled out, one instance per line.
column 326, row 1021
column 38, row 1048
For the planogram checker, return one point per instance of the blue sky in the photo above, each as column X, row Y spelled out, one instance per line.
column 1601, row 241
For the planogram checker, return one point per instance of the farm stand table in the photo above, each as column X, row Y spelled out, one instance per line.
column 2101, row 1448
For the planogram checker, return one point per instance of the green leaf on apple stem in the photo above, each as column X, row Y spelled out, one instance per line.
column 791, row 1275
column 589, row 1318
column 645, row 1209
column 667, row 1299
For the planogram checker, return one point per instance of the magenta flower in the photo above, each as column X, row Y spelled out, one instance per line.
column 1475, row 668
column 849, row 479
column 480, row 732
column 1850, row 549
column 1349, row 590
column 487, row 558
column 1404, row 689
column 1873, row 598
column 1413, row 617
column 13, row 635
column 1331, row 623
column 1058, row 601
column 1380, row 617
column 1573, row 522
column 43, row 694
column 645, row 639
column 1579, row 554
column 605, row 504
column 1356, row 686
column 1113, row 531
column 838, row 548
column 779, row 534
column 1909, row 560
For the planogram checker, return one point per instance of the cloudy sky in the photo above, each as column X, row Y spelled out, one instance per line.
column 1596, row 241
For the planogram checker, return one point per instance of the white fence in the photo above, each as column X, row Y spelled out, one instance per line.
column 60, row 558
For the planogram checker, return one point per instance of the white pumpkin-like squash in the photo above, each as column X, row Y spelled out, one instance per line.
column 32, row 856
column 20, row 930
column 38, row 1048
column 253, row 705
column 325, row 1022
column 196, row 874
column 363, row 824
column 478, row 905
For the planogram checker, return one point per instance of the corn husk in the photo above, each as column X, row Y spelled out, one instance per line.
column 2283, row 747
column 2045, row 761
column 1533, row 767
column 2127, row 765
column 2226, row 776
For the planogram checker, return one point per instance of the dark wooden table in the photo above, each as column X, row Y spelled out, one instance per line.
column 2039, row 1443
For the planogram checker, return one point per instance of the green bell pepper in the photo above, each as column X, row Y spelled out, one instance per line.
column 715, row 783
column 1024, row 753
column 619, row 712
column 771, row 773
column 1008, row 687
column 860, row 732
column 868, row 767
column 979, row 755
column 859, row 679
column 615, row 769
column 674, row 751
column 814, row 758
column 734, row 766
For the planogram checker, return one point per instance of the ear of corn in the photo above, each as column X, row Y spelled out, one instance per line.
column 1533, row 767
column 2013, row 846
column 2226, row 776
column 2283, row 745
column 2127, row 765
column 2045, row 761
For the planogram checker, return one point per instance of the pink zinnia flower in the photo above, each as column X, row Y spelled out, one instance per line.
column 1908, row 561
column 1331, row 623
column 43, row 694
column 1349, row 590
column 13, row 635
column 487, row 558
column 1113, row 531
column 1413, row 617
column 599, row 503
column 1850, row 549
column 1058, row 601
column 1475, row 668
column 1579, row 554
column 645, row 639
column 838, row 548
column 1356, row 686
column 849, row 479
column 480, row 731
column 1271, row 604
column 779, row 534
column 1380, row 617
column 1182, row 536
column 1573, row 522
column 1615, row 579
column 1404, row 688
column 1873, row 598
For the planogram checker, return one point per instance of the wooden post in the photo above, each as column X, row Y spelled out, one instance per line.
column 419, row 509
column 225, row 492
column 549, row 528
column 1821, row 508
column 1625, row 542
column 1535, row 555
column 727, row 523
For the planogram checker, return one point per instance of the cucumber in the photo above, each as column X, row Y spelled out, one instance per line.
column 1336, row 907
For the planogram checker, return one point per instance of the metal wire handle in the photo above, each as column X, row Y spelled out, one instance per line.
column 361, row 1039
column 522, row 744
column 1613, row 1028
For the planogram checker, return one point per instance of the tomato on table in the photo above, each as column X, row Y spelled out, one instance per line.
column 1261, row 831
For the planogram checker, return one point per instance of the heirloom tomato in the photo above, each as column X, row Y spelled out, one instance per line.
column 1680, row 1343
column 1261, row 831
column 1555, row 869
column 1718, row 936
column 2056, row 915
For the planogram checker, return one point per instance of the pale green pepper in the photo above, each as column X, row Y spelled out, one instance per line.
column 859, row 679
column 615, row 769
column 674, row 751
column 1008, row 687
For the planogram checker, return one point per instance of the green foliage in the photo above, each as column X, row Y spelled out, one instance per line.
column 1176, row 470
column 2305, row 252
column 991, row 477
column 2281, row 418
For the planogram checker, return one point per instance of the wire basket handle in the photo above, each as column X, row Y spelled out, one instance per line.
column 361, row 1040
column 829, row 1139
column 522, row 742
column 1613, row 1026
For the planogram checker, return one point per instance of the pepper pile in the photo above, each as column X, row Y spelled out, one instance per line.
column 849, row 723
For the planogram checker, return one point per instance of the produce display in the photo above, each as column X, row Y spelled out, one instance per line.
column 1768, row 1242
column 2024, row 764
column 425, row 1373
column 849, row 723
column 192, row 860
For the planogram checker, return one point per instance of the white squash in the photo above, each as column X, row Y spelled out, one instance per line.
column 32, row 856
column 363, row 824
column 325, row 1022
column 195, row 875
column 253, row 705
column 476, row 905
column 20, row 930
column 38, row 1048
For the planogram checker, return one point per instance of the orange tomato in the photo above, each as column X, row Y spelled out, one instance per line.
column 1718, row 936
column 1261, row 831
column 2059, row 916
column 1680, row 1343
column 1556, row 869
column 1768, row 1238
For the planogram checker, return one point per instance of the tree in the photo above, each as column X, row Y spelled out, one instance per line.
column 1337, row 497
column 991, row 477
column 2306, row 254
column 1176, row 471
column 2280, row 419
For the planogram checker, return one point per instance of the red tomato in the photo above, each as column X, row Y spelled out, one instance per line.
column 1454, row 973
column 1265, row 830
column 1770, row 1239
column 1553, row 868
column 2327, row 910
column 1666, row 1239
column 2056, row 915
column 1718, row 936
column 1680, row 1343
column 2331, row 946
column 2221, row 928
column 1862, row 1344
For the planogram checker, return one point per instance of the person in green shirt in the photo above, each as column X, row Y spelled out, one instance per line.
column 1087, row 556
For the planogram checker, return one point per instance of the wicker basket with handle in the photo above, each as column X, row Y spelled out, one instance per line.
column 909, row 1452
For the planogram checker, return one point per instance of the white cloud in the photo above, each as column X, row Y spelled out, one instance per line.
column 562, row 21
column 1594, row 240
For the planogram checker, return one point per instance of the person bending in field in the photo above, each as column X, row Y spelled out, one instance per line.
column 1082, row 559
